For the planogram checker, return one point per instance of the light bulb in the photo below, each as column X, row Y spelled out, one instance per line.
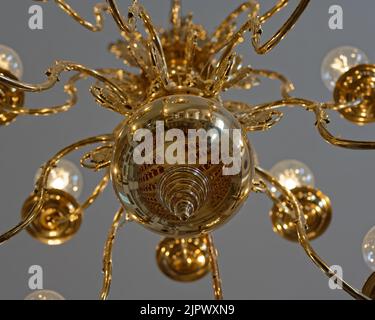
column 368, row 248
column 10, row 61
column 44, row 295
column 338, row 61
column 66, row 177
column 292, row 174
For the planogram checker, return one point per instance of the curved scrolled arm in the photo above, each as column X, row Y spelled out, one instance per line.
column 103, row 183
column 286, row 86
column 120, row 21
column 69, row 88
column 302, row 237
column 53, row 74
column 321, row 124
column 321, row 121
column 227, row 37
column 214, row 265
column 281, row 33
column 41, row 184
column 107, row 254
column 128, row 28
column 98, row 10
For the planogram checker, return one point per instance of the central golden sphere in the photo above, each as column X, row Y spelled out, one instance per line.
column 182, row 165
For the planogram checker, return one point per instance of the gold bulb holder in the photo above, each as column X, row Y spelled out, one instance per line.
column 317, row 210
column 184, row 260
column 369, row 287
column 59, row 219
column 356, row 87
column 10, row 98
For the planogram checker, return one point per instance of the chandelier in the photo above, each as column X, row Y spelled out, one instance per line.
column 170, row 91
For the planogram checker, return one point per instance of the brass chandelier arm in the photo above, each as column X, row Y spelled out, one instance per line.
column 69, row 88
column 98, row 10
column 302, row 237
column 321, row 121
column 226, row 37
column 29, row 218
column 107, row 254
column 285, row 88
column 96, row 192
column 281, row 33
column 275, row 9
column 224, row 33
column 154, row 46
column 53, row 74
column 321, row 124
column 121, row 23
column 214, row 265
column 41, row 184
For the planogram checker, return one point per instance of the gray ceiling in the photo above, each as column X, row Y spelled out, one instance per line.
column 255, row 263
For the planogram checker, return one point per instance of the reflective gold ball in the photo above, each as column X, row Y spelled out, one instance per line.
column 59, row 219
column 183, row 259
column 316, row 208
column 182, row 165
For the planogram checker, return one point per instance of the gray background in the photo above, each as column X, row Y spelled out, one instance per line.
column 255, row 263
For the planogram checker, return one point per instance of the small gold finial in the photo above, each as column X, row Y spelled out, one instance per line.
column 183, row 260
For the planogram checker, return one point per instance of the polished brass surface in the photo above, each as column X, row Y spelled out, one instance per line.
column 182, row 71
column 183, row 259
column 107, row 254
column 41, row 185
column 299, row 219
column 10, row 99
column 316, row 209
column 369, row 287
column 181, row 200
column 58, row 220
column 356, row 87
column 215, row 272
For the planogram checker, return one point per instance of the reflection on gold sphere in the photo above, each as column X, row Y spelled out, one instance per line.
column 317, row 210
column 369, row 287
column 183, row 259
column 59, row 219
column 182, row 199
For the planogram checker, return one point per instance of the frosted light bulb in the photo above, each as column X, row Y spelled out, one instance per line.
column 66, row 177
column 338, row 61
column 10, row 61
column 44, row 295
column 368, row 248
column 292, row 174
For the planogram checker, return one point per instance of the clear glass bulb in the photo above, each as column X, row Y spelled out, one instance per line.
column 44, row 295
column 368, row 248
column 338, row 61
column 11, row 61
column 66, row 177
column 292, row 174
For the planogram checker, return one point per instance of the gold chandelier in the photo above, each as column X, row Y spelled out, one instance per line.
column 181, row 74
